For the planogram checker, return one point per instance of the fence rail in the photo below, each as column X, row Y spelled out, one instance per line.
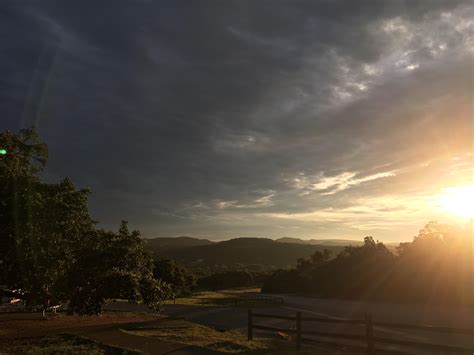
column 369, row 338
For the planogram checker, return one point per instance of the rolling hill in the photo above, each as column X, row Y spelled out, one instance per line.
column 166, row 244
column 239, row 252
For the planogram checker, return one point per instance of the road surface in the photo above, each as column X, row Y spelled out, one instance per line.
column 444, row 316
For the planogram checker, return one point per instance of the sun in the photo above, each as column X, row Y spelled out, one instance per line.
column 458, row 201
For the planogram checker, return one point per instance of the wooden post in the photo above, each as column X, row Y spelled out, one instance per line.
column 250, row 326
column 369, row 334
column 298, row 330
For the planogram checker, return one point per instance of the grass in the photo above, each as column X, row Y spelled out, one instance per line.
column 61, row 344
column 231, row 342
column 184, row 332
column 224, row 298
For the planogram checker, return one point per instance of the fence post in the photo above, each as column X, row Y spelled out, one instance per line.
column 250, row 326
column 298, row 330
column 369, row 334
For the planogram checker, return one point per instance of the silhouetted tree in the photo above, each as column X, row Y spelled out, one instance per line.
column 436, row 267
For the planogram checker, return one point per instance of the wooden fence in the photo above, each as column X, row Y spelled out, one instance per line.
column 368, row 338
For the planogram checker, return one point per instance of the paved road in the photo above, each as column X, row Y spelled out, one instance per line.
column 236, row 318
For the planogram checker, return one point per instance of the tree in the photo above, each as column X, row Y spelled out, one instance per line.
column 356, row 272
column 181, row 279
column 443, row 259
column 437, row 267
column 114, row 265
column 26, row 156
column 49, row 245
column 41, row 223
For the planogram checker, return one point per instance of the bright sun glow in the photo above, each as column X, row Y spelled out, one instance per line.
column 458, row 201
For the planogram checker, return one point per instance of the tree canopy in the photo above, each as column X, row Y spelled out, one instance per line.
column 50, row 248
column 436, row 267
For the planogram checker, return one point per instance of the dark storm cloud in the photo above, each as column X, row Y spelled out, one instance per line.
column 175, row 112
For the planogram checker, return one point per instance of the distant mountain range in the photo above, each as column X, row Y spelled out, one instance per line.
column 163, row 244
column 260, row 253
column 267, row 253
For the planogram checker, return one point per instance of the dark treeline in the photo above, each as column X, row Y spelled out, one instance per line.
column 437, row 267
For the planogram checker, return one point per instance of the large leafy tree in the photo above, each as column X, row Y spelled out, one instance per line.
column 49, row 245
column 114, row 265
column 41, row 224
column 26, row 156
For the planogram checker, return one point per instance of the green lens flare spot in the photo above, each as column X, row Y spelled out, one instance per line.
column 3, row 152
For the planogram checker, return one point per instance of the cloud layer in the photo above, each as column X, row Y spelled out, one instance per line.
column 269, row 118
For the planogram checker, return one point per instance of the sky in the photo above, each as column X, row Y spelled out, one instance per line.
column 223, row 119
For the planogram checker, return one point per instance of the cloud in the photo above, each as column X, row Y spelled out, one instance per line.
column 332, row 184
column 187, row 118
column 264, row 201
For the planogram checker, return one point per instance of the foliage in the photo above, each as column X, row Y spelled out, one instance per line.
column 436, row 267
column 41, row 223
column 26, row 157
column 154, row 292
column 181, row 279
column 49, row 245
column 114, row 265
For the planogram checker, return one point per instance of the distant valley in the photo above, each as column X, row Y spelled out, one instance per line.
column 253, row 253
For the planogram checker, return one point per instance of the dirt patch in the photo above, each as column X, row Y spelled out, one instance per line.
column 29, row 325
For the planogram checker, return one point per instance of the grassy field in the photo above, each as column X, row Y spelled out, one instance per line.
column 235, row 297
